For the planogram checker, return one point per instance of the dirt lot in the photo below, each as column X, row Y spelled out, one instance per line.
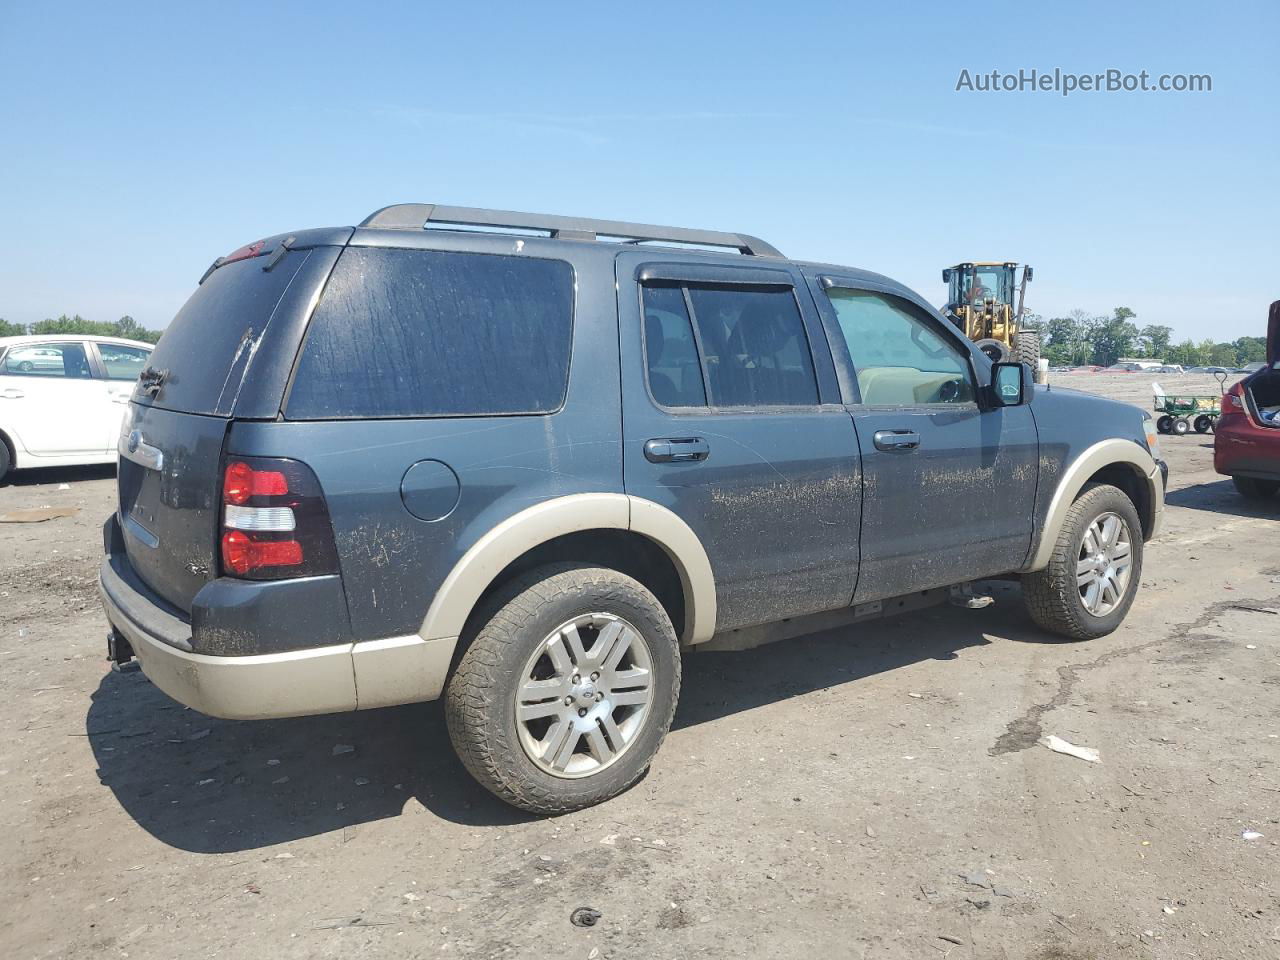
column 875, row 792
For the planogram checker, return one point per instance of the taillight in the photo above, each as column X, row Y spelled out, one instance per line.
column 1233, row 401
column 275, row 521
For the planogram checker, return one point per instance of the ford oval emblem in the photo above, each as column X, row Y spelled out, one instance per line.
column 135, row 438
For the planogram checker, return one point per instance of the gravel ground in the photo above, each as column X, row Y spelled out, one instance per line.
column 875, row 792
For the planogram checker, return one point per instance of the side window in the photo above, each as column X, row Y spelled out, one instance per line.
column 121, row 362
column 65, row 360
column 754, row 346
column 429, row 333
column 898, row 358
column 675, row 376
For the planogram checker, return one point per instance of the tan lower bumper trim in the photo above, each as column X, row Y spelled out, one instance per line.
column 375, row 673
column 294, row 684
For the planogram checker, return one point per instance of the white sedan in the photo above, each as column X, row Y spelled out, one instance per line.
column 62, row 397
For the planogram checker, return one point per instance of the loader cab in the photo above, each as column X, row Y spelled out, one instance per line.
column 974, row 283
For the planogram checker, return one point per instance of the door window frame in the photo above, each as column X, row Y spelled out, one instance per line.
column 846, row 369
column 683, row 276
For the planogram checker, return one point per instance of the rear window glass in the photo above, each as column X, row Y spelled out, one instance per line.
column 426, row 333
column 207, row 346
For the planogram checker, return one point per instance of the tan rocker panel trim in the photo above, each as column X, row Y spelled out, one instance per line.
column 545, row 521
column 1102, row 454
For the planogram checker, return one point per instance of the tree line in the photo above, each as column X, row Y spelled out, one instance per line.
column 1080, row 338
column 126, row 327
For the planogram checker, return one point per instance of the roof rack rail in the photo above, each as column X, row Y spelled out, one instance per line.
column 417, row 216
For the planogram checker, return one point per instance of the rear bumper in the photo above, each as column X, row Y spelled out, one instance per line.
column 329, row 679
column 1244, row 449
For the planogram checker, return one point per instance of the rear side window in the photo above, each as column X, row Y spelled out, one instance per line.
column 426, row 333
column 121, row 362
column 64, row 360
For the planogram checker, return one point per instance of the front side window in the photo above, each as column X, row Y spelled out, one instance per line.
column 65, row 360
column 121, row 362
column 429, row 333
column 897, row 356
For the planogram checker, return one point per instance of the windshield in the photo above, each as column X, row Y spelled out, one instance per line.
column 974, row 284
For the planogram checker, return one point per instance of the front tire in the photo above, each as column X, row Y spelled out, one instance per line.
column 1251, row 488
column 567, row 690
column 1094, row 570
column 1204, row 423
column 6, row 462
column 1181, row 427
column 1026, row 348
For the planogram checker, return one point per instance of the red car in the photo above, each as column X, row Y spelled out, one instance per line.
column 1246, row 446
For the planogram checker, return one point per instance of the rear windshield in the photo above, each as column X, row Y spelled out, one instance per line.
column 209, row 343
column 425, row 333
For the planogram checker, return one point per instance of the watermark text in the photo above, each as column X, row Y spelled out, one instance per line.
column 1066, row 83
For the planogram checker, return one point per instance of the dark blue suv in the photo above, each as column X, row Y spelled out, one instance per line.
column 524, row 462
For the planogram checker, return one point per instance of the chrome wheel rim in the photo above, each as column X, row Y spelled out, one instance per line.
column 584, row 695
column 1105, row 564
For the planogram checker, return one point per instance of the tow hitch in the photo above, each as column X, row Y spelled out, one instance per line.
column 119, row 652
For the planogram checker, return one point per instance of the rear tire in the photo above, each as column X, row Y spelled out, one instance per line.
column 1057, row 597
column 1251, row 488
column 1026, row 348
column 1204, row 423
column 1165, row 424
column 6, row 461
column 563, row 744
column 1181, row 427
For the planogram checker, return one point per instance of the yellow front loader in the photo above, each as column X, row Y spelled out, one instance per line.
column 980, row 303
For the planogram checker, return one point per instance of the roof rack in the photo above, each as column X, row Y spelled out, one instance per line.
column 417, row 216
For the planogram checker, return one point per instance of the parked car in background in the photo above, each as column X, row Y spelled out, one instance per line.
column 1127, row 367
column 525, row 471
column 1225, row 370
column 1246, row 444
column 1168, row 368
column 62, row 397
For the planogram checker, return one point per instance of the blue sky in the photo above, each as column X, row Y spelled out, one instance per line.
column 139, row 142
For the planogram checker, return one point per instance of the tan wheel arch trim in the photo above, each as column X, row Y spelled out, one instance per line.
column 545, row 521
column 1102, row 454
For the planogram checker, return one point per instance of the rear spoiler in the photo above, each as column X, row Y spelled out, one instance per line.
column 275, row 248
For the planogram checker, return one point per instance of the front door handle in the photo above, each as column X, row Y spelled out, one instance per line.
column 896, row 441
column 11, row 393
column 676, row 450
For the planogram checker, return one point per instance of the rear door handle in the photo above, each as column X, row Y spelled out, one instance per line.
column 11, row 393
column 896, row 441
column 676, row 450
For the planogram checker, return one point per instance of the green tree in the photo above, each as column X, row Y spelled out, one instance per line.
column 1250, row 350
column 1185, row 353
column 128, row 328
column 1222, row 355
column 8, row 329
column 1155, row 340
column 1112, row 337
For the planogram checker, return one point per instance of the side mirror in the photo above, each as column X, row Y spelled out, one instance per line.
column 946, row 276
column 1011, row 384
